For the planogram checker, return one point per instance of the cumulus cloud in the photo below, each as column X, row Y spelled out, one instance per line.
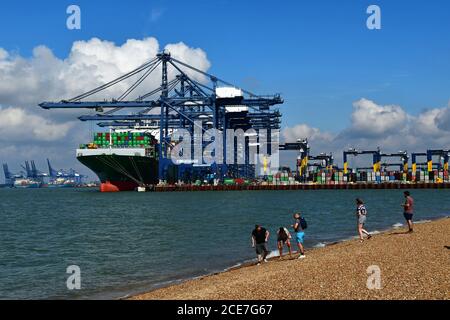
column 92, row 63
column 44, row 77
column 442, row 118
column 302, row 131
column 371, row 120
column 16, row 125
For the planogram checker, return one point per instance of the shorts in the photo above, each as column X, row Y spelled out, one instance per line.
column 261, row 248
column 300, row 237
column 408, row 216
column 362, row 219
column 283, row 240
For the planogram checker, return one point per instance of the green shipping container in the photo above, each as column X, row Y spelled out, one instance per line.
column 228, row 182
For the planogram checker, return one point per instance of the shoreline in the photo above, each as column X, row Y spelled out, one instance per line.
column 306, row 187
column 216, row 285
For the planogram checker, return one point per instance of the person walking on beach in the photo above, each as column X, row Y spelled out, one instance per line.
column 408, row 210
column 283, row 237
column 361, row 215
column 299, row 228
column 260, row 237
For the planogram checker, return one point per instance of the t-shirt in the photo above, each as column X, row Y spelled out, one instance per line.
column 361, row 210
column 299, row 225
column 283, row 236
column 260, row 236
column 410, row 202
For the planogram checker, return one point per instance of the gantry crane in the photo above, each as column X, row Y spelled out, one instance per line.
column 403, row 155
column 376, row 165
column 179, row 102
column 443, row 156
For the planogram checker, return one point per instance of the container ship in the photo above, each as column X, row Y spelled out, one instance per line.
column 62, row 183
column 27, row 184
column 122, row 160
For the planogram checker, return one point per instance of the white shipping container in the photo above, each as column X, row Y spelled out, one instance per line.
column 228, row 92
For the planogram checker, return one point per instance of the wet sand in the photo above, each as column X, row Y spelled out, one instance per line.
column 412, row 266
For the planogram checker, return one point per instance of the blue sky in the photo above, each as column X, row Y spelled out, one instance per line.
column 318, row 54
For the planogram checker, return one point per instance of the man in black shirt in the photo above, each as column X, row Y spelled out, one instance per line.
column 260, row 236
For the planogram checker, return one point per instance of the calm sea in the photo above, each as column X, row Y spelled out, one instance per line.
column 131, row 242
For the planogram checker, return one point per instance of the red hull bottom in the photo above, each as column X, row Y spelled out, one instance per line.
column 117, row 186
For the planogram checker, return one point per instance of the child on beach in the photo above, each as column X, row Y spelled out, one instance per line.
column 283, row 237
column 299, row 233
column 361, row 214
column 260, row 237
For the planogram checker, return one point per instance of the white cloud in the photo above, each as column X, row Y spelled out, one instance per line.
column 302, row 131
column 18, row 125
column 91, row 63
column 442, row 118
column 371, row 120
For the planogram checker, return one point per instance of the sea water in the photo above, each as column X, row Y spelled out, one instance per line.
column 126, row 243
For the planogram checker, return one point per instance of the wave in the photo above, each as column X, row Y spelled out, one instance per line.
column 422, row 221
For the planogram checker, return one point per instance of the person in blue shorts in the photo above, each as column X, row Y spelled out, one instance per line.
column 299, row 234
column 408, row 210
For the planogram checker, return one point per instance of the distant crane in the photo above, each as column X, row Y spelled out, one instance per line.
column 443, row 156
column 403, row 155
column 28, row 171
column 70, row 174
column 304, row 157
column 327, row 161
column 32, row 172
column 52, row 172
column 302, row 147
column 9, row 176
column 376, row 164
column 429, row 164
